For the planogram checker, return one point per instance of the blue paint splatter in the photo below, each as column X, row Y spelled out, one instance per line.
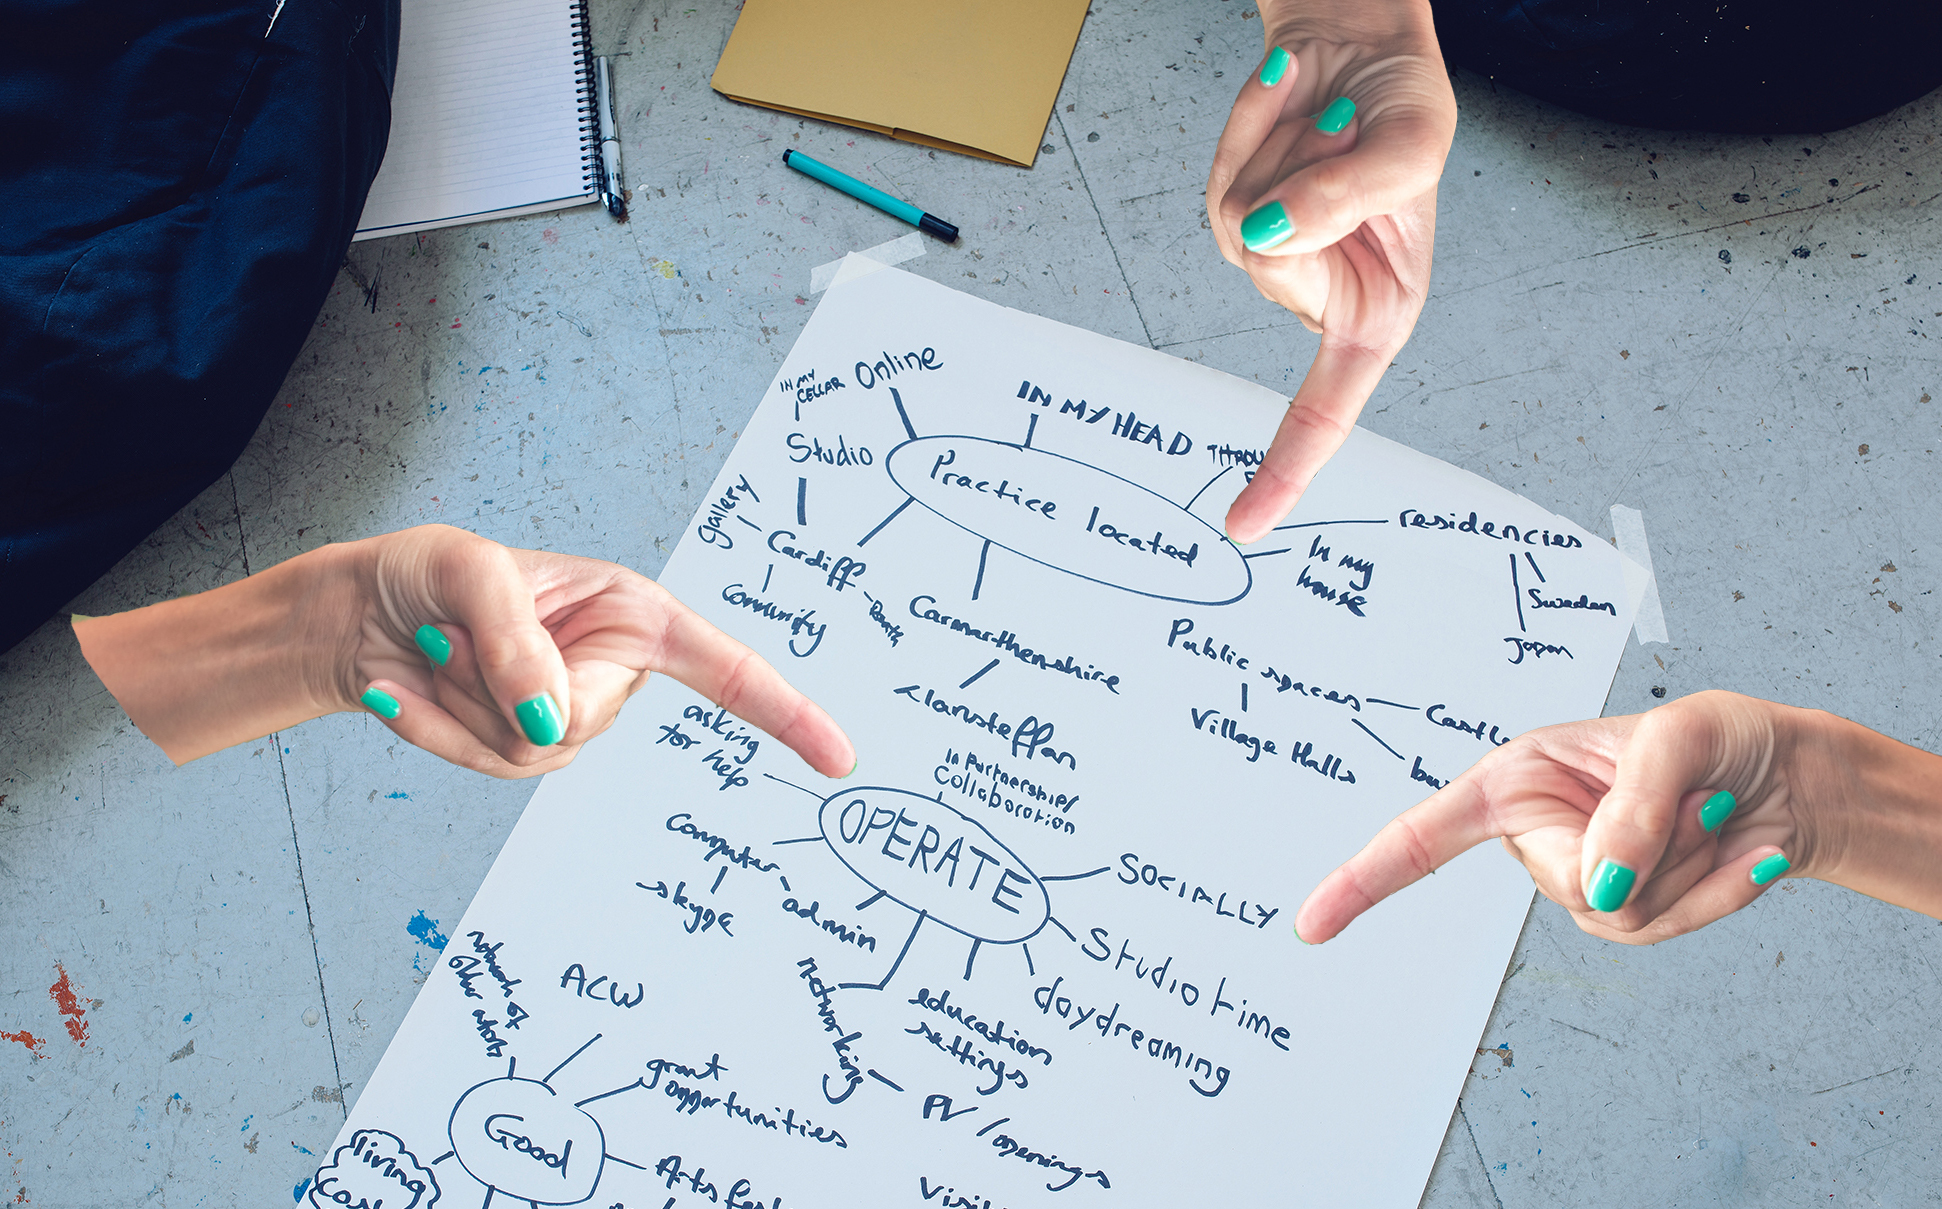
column 246, row 1121
column 426, row 931
column 296, row 1194
column 399, row 794
column 192, row 1015
column 311, row 1153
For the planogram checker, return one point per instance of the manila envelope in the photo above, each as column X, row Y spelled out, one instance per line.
column 979, row 78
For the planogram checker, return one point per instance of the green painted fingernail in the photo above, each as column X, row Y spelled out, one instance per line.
column 1716, row 810
column 1611, row 882
column 381, row 703
column 437, row 647
column 1298, row 936
column 1275, row 67
column 540, row 719
column 1340, row 112
column 852, row 771
column 1266, row 228
column 1770, row 868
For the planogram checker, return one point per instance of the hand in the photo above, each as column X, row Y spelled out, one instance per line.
column 1643, row 792
column 500, row 660
column 1356, row 210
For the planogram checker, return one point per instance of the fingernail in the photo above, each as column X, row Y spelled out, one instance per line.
column 1340, row 112
column 540, row 719
column 1770, row 868
column 437, row 647
column 1298, row 936
column 1275, row 67
column 1716, row 810
column 1266, row 228
column 1611, row 882
column 852, row 772
column 381, row 703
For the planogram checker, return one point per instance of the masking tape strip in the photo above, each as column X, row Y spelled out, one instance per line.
column 895, row 252
column 1628, row 526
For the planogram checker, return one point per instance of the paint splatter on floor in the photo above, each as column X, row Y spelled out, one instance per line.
column 296, row 1194
column 426, row 931
column 27, row 1039
column 69, row 1005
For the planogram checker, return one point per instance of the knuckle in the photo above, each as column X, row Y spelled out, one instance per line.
column 1231, row 211
column 510, row 646
column 737, row 686
column 1415, row 849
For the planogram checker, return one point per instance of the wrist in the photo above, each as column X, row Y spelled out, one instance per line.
column 204, row 672
column 1289, row 23
column 1877, row 810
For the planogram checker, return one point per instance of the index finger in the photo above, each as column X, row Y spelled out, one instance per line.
column 1413, row 845
column 1319, row 419
column 746, row 685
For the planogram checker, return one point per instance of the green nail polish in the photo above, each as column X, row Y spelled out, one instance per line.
column 540, row 719
column 1275, row 67
column 1717, row 810
column 852, row 771
column 1266, row 228
column 381, row 703
column 1340, row 112
column 1770, row 868
column 437, row 647
column 1611, row 882
column 1298, row 936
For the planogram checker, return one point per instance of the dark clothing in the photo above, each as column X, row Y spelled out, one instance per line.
column 1740, row 66
column 178, row 184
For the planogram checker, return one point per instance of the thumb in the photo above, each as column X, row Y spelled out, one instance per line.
column 479, row 585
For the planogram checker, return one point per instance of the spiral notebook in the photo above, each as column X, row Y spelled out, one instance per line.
column 492, row 115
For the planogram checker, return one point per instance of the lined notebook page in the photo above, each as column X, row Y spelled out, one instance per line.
column 485, row 116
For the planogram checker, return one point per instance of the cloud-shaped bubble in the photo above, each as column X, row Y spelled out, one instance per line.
column 373, row 1168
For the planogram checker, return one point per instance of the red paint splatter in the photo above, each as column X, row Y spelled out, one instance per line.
column 430, row 301
column 550, row 235
column 64, row 998
column 27, row 1039
column 455, row 325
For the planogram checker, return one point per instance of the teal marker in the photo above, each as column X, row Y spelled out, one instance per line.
column 892, row 206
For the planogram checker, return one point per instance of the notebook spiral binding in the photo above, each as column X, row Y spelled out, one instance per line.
column 592, row 169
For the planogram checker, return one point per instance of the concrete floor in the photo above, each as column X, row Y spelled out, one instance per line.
column 1690, row 325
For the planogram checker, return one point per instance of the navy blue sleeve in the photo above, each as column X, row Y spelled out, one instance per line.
column 1746, row 67
column 179, row 183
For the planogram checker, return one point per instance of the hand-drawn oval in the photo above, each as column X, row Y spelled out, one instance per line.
column 1072, row 517
column 933, row 859
column 520, row 1137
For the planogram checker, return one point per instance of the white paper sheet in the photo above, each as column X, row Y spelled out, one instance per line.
column 1038, row 949
column 486, row 112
